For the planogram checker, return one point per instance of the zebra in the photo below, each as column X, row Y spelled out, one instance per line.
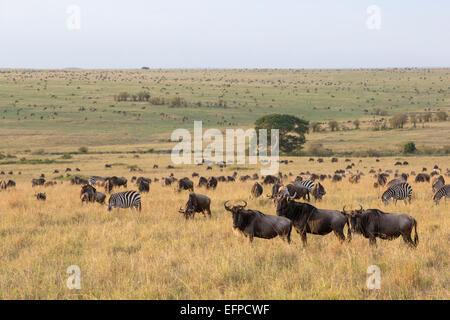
column 126, row 199
column 94, row 179
column 398, row 192
column 308, row 184
column 438, row 183
column 444, row 191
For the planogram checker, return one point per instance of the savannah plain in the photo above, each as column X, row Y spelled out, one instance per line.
column 57, row 119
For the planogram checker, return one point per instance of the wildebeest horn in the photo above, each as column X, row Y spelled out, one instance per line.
column 181, row 210
column 361, row 208
column 244, row 204
column 343, row 209
column 225, row 205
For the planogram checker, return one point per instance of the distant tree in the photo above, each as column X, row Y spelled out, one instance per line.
column 315, row 127
column 398, row 121
column 410, row 147
column 292, row 130
column 427, row 116
column 442, row 116
column 356, row 123
column 413, row 120
column 83, row 150
column 333, row 125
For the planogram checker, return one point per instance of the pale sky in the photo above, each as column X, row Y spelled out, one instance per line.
column 224, row 34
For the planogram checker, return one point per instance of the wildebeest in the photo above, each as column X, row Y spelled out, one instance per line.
column 318, row 192
column 275, row 189
column 50, row 183
column 185, row 184
column 308, row 219
column 270, row 179
column 5, row 185
column 37, row 182
column 143, row 184
column 336, row 178
column 78, row 180
column 90, row 194
column 41, row 196
column 196, row 203
column 297, row 191
column 354, row 178
column 382, row 179
column 257, row 190
column 422, row 177
column 212, row 183
column 202, row 182
column 253, row 223
column 112, row 182
column 374, row 223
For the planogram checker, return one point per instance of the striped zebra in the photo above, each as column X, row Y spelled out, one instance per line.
column 442, row 192
column 308, row 184
column 126, row 199
column 398, row 192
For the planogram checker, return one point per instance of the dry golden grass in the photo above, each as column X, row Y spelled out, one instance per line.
column 156, row 254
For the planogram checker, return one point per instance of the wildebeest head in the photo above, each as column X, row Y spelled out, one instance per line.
column 319, row 191
column 238, row 216
column 354, row 218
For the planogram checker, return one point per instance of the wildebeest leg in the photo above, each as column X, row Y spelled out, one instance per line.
column 304, row 240
column 250, row 237
column 209, row 212
column 373, row 240
column 340, row 235
column 407, row 239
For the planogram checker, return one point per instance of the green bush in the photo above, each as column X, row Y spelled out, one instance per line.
column 410, row 147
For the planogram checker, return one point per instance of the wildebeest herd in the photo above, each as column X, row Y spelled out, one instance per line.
column 302, row 216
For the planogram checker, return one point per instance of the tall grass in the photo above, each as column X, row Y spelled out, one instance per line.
column 156, row 254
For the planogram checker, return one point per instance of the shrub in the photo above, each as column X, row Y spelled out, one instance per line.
column 410, row 147
column 83, row 150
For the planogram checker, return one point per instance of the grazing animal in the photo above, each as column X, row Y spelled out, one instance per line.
column 212, row 183
column 275, row 188
column 318, row 192
column 37, row 182
column 185, row 184
column 126, row 199
column 422, row 177
column 2, row 185
column 253, row 223
column 308, row 219
column 400, row 191
column 50, row 183
column 438, row 183
column 297, row 191
column 111, row 182
column 336, row 178
column 257, row 190
column 96, row 181
column 443, row 192
column 41, row 196
column 308, row 184
column 202, row 181
column 382, row 179
column 354, row 178
column 374, row 223
column 196, row 203
column 270, row 180
column 143, row 185
column 90, row 194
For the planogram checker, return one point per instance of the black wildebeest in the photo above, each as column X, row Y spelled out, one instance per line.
column 275, row 188
column 308, row 219
column 41, row 196
column 5, row 185
column 185, row 184
column 318, row 192
column 196, row 203
column 90, row 194
column 422, row 177
column 143, row 184
column 374, row 223
column 202, row 181
column 112, row 182
column 297, row 191
column 37, row 182
column 212, row 183
column 257, row 190
column 270, row 179
column 253, row 223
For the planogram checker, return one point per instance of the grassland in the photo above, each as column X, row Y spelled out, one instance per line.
column 156, row 254
column 62, row 109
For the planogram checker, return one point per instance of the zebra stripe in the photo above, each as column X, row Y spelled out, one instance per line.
column 442, row 192
column 398, row 192
column 126, row 199
column 309, row 184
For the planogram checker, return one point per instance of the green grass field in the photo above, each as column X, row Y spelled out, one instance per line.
column 57, row 96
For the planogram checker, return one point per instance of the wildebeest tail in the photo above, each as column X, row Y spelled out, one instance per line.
column 416, row 236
